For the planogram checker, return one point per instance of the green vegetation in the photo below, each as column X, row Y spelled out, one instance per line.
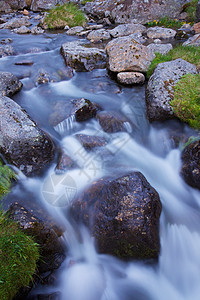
column 186, row 102
column 18, row 257
column 188, row 53
column 67, row 14
column 166, row 22
column 190, row 9
column 83, row 2
column 191, row 140
column 6, row 176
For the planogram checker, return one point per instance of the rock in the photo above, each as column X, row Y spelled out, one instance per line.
column 24, row 63
column 196, row 28
column 9, row 84
column 98, row 35
column 129, row 78
column 25, row 12
column 52, row 296
column 16, row 23
column 6, row 41
column 65, row 163
column 82, row 58
column 160, row 33
column 22, row 143
column 22, row 30
column 123, row 215
column 94, row 27
column 193, row 41
column 157, row 41
column 197, row 17
column 138, row 37
column 43, row 5
column 191, row 164
column 5, row 7
column 126, row 29
column 161, row 48
column 160, row 91
column 84, row 109
column 126, row 54
column 75, row 30
column 111, row 121
column 89, row 141
column 6, row 50
column 52, row 252
column 133, row 11
column 37, row 30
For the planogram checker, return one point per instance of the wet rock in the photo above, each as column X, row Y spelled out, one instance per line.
column 6, row 41
column 196, row 28
column 16, row 23
column 75, row 30
column 123, row 215
column 52, row 252
column 193, row 41
column 52, row 296
column 191, row 164
column 89, row 142
column 129, row 78
column 6, row 50
column 24, row 63
column 111, row 121
column 126, row 29
column 160, row 91
column 37, row 30
column 161, row 48
column 22, row 143
column 82, row 58
column 126, row 54
column 9, row 84
column 65, row 163
column 22, row 30
column 160, row 33
column 84, row 109
column 98, row 35
column 131, row 11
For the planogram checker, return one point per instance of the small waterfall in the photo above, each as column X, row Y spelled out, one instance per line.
column 66, row 126
column 128, row 127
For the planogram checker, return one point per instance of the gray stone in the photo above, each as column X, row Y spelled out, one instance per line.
column 75, row 30
column 9, row 84
column 37, row 30
column 22, row 143
column 22, row 30
column 16, row 23
column 82, row 58
column 42, row 5
column 129, row 78
column 98, row 35
column 160, row 88
column 138, row 37
column 6, row 50
column 126, row 54
column 160, row 33
column 126, row 29
column 161, row 48
column 193, row 41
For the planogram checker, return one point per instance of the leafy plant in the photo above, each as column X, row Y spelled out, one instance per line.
column 67, row 14
column 188, row 53
column 186, row 102
column 18, row 257
column 6, row 176
column 166, row 22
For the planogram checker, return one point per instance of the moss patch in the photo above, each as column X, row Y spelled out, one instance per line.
column 190, row 9
column 6, row 176
column 18, row 257
column 188, row 53
column 67, row 14
column 186, row 102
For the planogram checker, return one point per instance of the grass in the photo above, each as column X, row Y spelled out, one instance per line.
column 6, row 176
column 188, row 53
column 67, row 14
column 186, row 102
column 190, row 9
column 83, row 2
column 166, row 22
column 18, row 257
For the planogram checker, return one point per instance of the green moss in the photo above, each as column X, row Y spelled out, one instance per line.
column 18, row 257
column 83, row 2
column 67, row 14
column 190, row 9
column 188, row 53
column 6, row 176
column 186, row 102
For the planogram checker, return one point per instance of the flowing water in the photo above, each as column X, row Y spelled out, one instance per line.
column 86, row 274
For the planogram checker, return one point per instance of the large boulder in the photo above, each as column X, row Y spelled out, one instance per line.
column 52, row 250
column 9, row 5
column 160, row 92
column 82, row 58
column 42, row 5
column 191, row 164
column 126, row 29
column 16, row 23
column 22, row 143
column 126, row 54
column 160, row 33
column 9, row 84
column 161, row 48
column 123, row 215
column 136, row 11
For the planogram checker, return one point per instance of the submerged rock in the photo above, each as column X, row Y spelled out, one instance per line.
column 160, row 92
column 52, row 251
column 123, row 216
column 9, row 84
column 89, row 141
column 22, row 143
column 191, row 164
column 111, row 121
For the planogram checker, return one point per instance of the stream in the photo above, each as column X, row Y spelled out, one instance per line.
column 86, row 274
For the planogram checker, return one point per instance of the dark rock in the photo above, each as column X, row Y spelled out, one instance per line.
column 84, row 109
column 9, row 84
column 123, row 216
column 65, row 163
column 52, row 296
column 197, row 17
column 89, row 142
column 22, row 143
column 52, row 252
column 24, row 63
column 191, row 164
column 160, row 92
column 111, row 121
